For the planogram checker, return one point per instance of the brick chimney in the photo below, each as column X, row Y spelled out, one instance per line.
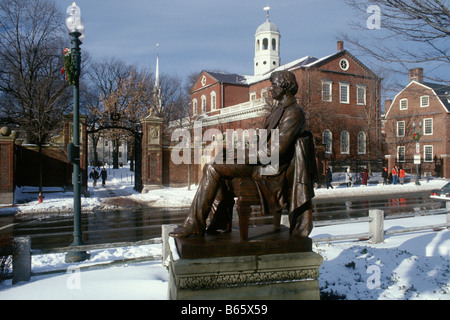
column 416, row 74
column 340, row 45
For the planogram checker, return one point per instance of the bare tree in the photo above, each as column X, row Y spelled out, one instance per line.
column 31, row 46
column 412, row 32
column 102, row 79
column 35, row 94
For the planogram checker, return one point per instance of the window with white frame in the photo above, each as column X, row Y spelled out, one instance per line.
column 361, row 143
column 403, row 104
column 401, row 153
column 327, row 141
column 400, row 128
column 361, row 95
column 424, row 101
column 327, row 91
column 428, row 153
column 203, row 103
column 344, row 92
column 213, row 100
column 252, row 96
column 264, row 94
column 345, row 142
column 194, row 106
column 428, row 126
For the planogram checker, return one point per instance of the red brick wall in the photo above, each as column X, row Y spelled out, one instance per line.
column 177, row 175
column 56, row 171
column 416, row 113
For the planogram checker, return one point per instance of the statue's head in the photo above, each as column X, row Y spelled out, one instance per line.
column 285, row 82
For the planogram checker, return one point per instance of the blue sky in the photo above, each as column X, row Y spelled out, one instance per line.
column 207, row 34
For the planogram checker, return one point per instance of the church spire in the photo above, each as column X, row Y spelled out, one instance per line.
column 157, row 67
column 157, row 89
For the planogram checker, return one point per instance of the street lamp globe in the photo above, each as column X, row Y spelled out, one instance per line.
column 74, row 22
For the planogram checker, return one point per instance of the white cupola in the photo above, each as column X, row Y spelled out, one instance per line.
column 267, row 47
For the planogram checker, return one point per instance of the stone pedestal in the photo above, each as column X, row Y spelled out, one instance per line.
column 250, row 275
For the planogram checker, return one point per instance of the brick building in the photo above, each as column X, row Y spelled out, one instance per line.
column 339, row 94
column 422, row 108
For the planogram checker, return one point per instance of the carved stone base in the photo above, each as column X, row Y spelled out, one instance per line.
column 286, row 276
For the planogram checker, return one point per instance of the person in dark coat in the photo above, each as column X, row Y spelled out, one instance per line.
column 329, row 178
column 385, row 175
column 94, row 176
column 104, row 175
column 294, row 142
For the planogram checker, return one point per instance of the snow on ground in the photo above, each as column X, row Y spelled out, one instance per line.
column 413, row 265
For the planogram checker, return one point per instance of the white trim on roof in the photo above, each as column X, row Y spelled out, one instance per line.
column 423, row 85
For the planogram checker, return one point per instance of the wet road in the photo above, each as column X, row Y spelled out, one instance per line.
column 145, row 223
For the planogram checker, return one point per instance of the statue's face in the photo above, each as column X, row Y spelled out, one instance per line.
column 276, row 90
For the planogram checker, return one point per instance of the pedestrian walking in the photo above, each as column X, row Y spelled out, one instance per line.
column 385, row 175
column 394, row 175
column 401, row 175
column 364, row 177
column 329, row 178
column 94, row 176
column 348, row 178
column 104, row 175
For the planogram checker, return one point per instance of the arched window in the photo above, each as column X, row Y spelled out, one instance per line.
column 361, row 143
column 213, row 100
column 326, row 140
column 258, row 44
column 274, row 44
column 345, row 142
column 203, row 103
column 265, row 44
column 194, row 106
column 246, row 138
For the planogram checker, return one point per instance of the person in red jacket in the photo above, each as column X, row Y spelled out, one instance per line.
column 364, row 177
column 394, row 175
column 401, row 175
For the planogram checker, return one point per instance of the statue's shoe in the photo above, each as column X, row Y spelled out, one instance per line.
column 185, row 232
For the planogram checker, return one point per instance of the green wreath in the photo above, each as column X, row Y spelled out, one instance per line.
column 416, row 136
column 69, row 66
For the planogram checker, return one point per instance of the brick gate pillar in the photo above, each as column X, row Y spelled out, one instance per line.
column 151, row 152
column 445, row 165
column 7, row 184
column 390, row 162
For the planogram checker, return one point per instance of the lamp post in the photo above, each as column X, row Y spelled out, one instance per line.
column 416, row 137
column 75, row 26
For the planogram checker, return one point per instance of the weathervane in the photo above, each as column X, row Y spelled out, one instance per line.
column 267, row 8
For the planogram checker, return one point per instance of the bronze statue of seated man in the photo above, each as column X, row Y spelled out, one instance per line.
column 291, row 183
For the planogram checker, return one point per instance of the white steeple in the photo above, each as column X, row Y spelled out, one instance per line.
column 267, row 47
column 157, row 89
